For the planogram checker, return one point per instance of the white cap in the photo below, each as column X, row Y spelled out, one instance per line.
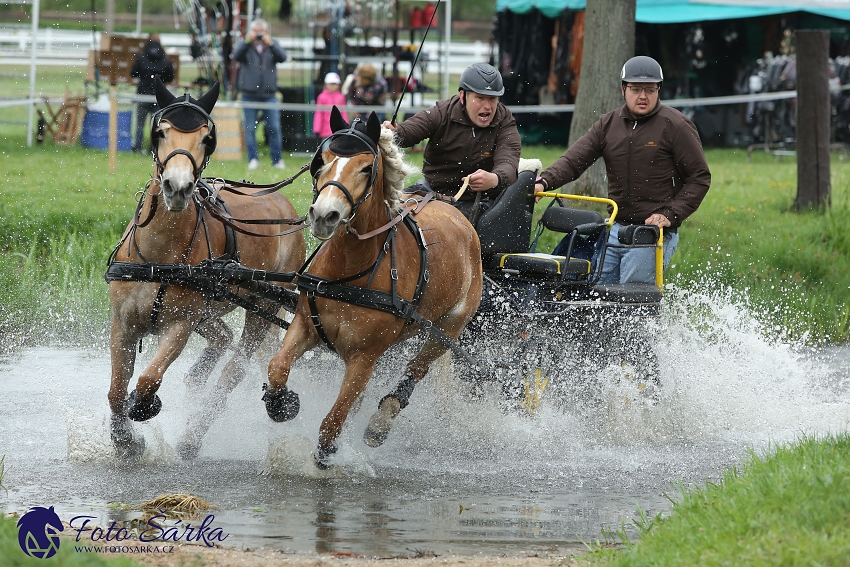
column 332, row 78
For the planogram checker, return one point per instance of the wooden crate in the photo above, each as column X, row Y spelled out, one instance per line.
column 228, row 126
column 116, row 56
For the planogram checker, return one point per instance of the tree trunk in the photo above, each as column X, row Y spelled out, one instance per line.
column 609, row 41
column 813, row 114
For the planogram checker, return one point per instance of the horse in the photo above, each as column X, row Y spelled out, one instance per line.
column 365, row 289
column 170, row 228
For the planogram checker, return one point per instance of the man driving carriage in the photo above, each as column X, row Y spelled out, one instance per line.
column 471, row 134
column 657, row 173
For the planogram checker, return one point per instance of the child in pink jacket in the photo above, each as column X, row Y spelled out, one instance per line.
column 330, row 96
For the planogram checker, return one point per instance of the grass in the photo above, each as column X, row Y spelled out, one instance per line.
column 788, row 507
column 61, row 212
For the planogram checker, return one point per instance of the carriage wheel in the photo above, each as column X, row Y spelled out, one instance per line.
column 629, row 365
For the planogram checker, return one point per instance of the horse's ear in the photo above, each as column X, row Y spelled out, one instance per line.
column 337, row 121
column 163, row 95
column 373, row 127
column 207, row 102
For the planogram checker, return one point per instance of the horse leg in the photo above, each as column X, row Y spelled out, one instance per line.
column 282, row 403
column 357, row 374
column 143, row 403
column 201, row 420
column 390, row 405
column 218, row 336
column 123, row 353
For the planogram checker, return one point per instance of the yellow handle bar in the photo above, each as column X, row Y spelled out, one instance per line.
column 659, row 250
column 554, row 195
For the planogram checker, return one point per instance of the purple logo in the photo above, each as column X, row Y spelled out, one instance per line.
column 38, row 532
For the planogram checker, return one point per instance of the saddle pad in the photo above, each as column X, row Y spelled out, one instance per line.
column 542, row 264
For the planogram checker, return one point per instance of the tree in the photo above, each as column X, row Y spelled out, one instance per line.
column 813, row 117
column 609, row 40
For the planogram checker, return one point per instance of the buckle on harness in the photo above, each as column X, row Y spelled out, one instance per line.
column 394, row 274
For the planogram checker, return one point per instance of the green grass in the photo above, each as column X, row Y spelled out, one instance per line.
column 789, row 507
column 61, row 211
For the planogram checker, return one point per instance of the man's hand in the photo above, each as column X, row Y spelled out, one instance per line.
column 538, row 188
column 657, row 219
column 390, row 125
column 483, row 180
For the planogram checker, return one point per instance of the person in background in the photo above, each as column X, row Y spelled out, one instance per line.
column 367, row 89
column 657, row 173
column 471, row 134
column 258, row 57
column 329, row 96
column 149, row 64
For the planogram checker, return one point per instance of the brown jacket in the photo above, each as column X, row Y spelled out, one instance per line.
column 655, row 163
column 456, row 147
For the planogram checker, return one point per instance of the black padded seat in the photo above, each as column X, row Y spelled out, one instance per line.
column 541, row 265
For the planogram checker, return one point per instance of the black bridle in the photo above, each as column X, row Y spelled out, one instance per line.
column 209, row 140
column 318, row 163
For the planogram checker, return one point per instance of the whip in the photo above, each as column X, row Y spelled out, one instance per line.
column 415, row 60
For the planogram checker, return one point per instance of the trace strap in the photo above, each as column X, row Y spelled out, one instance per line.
column 388, row 302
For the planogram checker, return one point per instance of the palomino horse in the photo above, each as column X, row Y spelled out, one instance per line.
column 170, row 228
column 369, row 258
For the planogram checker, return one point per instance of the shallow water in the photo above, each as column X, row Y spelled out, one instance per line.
column 456, row 474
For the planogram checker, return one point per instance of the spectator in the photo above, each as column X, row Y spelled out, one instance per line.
column 258, row 56
column 149, row 64
column 367, row 89
column 329, row 96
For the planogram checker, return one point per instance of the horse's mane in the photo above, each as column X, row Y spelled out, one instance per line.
column 395, row 168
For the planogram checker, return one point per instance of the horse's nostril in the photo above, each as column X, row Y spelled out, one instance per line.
column 333, row 217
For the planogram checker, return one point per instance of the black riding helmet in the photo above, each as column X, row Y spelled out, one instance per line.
column 641, row 69
column 483, row 79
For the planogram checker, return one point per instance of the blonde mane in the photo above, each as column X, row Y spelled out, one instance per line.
column 396, row 169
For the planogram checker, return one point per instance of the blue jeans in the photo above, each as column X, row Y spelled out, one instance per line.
column 272, row 118
column 626, row 265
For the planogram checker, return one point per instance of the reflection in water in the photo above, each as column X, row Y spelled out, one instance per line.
column 456, row 474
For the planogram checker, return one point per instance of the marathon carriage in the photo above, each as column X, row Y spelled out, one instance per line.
column 399, row 266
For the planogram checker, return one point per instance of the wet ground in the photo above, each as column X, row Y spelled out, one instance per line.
column 457, row 474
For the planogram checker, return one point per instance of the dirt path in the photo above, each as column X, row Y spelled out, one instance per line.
column 202, row 556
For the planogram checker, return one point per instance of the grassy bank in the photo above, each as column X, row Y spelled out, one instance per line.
column 61, row 212
column 789, row 507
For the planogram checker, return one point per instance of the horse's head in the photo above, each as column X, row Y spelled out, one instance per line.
column 184, row 133
column 345, row 170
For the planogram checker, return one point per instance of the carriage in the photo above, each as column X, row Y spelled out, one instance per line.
column 390, row 268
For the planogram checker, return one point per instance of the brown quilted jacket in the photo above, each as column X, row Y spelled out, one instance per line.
column 655, row 163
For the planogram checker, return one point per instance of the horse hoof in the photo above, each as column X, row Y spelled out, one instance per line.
column 282, row 406
column 381, row 422
column 128, row 446
column 137, row 411
column 321, row 456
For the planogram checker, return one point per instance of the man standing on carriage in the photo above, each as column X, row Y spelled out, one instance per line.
column 657, row 173
column 471, row 134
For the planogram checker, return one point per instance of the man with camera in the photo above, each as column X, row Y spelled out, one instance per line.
column 258, row 57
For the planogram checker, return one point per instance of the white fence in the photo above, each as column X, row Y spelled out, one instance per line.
column 57, row 47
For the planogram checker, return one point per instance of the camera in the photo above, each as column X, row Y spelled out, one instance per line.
column 259, row 37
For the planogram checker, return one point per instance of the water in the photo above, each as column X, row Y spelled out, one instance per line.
column 456, row 475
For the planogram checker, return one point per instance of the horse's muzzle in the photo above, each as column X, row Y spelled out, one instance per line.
column 323, row 226
column 176, row 195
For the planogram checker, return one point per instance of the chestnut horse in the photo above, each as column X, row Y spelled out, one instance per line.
column 358, row 174
column 170, row 227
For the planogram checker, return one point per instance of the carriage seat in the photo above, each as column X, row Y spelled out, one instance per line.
column 570, row 261
column 506, row 226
